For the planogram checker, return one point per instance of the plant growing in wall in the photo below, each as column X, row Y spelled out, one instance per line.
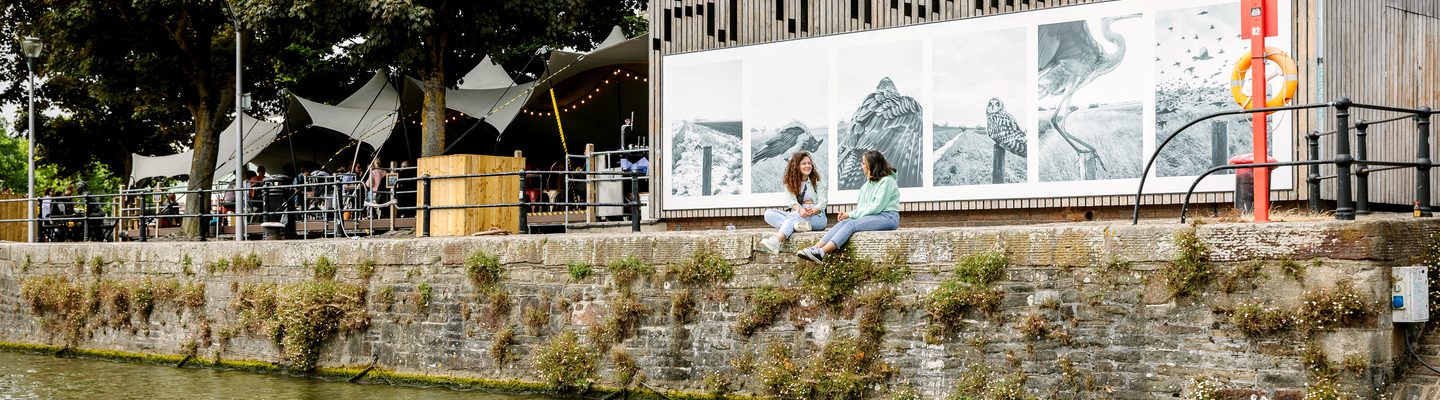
column 1190, row 270
column 484, row 270
column 564, row 365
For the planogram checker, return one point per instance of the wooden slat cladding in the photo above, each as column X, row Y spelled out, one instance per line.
column 1384, row 52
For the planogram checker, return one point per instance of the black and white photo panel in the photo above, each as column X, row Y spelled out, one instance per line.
column 981, row 108
column 879, row 92
column 703, row 110
column 1090, row 93
column 1195, row 50
column 788, row 97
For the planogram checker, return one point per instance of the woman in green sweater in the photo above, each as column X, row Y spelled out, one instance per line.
column 878, row 208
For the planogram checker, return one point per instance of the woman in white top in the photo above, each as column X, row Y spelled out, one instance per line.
column 807, row 203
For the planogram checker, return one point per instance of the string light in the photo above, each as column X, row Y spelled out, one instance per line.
column 590, row 94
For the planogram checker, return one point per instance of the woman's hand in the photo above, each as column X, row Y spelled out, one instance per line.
column 842, row 216
column 807, row 211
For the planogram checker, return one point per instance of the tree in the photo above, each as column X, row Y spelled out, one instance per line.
column 430, row 37
column 148, row 77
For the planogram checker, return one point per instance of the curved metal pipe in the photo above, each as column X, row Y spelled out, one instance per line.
column 1139, row 193
column 1186, row 204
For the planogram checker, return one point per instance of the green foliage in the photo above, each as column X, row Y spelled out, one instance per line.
column 484, row 270
column 387, row 298
column 1260, row 319
column 250, row 262
column 873, row 306
column 366, row 269
column 625, row 368
column 423, row 295
column 498, row 309
column 682, row 304
column 1292, row 269
column 1242, row 276
column 1190, row 270
column 500, row 347
column 217, row 266
column 1205, row 388
column 536, row 318
column 947, row 305
column 832, row 281
column 842, row 369
column 981, row 269
column 768, row 303
column 97, row 265
column 626, row 270
column 1355, row 363
column 579, row 271
column 185, row 264
column 979, row 383
column 718, row 384
column 626, row 312
column 68, row 308
column 1340, row 306
column 324, row 268
column 310, row 313
column 564, row 365
column 705, row 268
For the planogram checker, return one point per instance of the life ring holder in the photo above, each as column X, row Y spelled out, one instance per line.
column 1287, row 90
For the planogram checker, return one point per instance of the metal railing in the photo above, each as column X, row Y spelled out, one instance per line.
column 1343, row 159
column 101, row 217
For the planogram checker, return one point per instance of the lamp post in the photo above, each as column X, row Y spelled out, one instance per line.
column 31, row 46
column 242, row 101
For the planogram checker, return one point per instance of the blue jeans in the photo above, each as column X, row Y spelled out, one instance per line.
column 785, row 220
column 885, row 221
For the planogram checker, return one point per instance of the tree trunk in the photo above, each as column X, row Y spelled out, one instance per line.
column 202, row 170
column 432, row 113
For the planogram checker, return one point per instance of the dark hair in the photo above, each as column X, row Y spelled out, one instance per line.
column 879, row 168
column 793, row 178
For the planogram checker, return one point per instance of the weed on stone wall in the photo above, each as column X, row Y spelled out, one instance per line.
column 978, row 382
column 310, row 313
column 536, row 317
column 1430, row 257
column 500, row 347
column 625, row 369
column 682, row 305
column 873, row 305
column 626, row 313
column 843, row 369
column 97, row 265
column 832, row 281
column 768, row 303
column 365, row 269
column 1190, row 271
column 982, row 268
column 73, row 309
column 1260, row 318
column 387, row 298
column 484, row 270
column 1205, row 388
column 1293, row 270
column 323, row 268
column 578, row 271
column 718, row 384
column 248, row 263
column 1243, row 276
column 564, row 365
column 422, row 297
column 1340, row 306
column 706, row 268
column 626, row 270
column 497, row 310
column 967, row 291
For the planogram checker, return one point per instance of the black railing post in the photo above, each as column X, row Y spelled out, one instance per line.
column 204, row 224
column 1362, row 174
column 1344, row 208
column 524, row 206
column 1422, row 156
column 425, row 205
column 85, row 218
column 634, row 201
column 144, row 226
column 1312, row 180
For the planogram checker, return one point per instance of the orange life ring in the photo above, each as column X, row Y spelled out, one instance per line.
column 1287, row 90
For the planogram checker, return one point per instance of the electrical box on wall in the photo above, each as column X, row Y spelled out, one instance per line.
column 1410, row 294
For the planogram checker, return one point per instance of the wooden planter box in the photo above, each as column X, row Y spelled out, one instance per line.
column 488, row 190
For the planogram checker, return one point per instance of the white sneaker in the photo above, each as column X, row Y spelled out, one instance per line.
column 771, row 245
column 802, row 226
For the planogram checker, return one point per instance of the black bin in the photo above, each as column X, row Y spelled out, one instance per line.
column 278, row 200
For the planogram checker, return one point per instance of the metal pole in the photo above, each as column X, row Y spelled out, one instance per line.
column 425, row 206
column 204, row 223
column 1312, row 180
column 30, row 193
column 143, row 225
column 1362, row 175
column 1258, row 126
column 239, row 142
column 1422, row 156
column 1344, row 208
column 634, row 202
column 524, row 206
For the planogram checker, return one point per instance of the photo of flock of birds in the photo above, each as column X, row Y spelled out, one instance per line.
column 1088, row 123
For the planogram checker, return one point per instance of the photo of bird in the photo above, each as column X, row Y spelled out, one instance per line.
column 1071, row 58
column 1003, row 129
column 887, row 121
column 781, row 144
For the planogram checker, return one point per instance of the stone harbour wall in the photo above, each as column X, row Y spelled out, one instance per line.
column 1087, row 310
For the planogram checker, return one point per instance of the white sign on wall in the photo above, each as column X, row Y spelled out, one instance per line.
column 1060, row 102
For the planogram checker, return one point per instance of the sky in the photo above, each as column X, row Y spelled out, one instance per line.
column 971, row 69
column 794, row 86
column 708, row 91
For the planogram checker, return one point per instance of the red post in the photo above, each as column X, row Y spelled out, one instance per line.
column 1258, row 21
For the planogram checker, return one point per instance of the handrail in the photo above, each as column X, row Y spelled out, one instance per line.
column 1139, row 192
column 1186, row 204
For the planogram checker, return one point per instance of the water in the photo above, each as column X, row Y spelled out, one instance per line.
column 28, row 376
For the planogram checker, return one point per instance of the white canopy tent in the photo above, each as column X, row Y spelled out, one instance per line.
column 258, row 135
column 367, row 115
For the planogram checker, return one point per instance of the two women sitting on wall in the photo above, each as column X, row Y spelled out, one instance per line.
column 878, row 207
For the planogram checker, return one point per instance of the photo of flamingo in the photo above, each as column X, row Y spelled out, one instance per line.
column 704, row 135
column 879, row 85
column 1091, row 115
column 1195, row 49
column 980, row 114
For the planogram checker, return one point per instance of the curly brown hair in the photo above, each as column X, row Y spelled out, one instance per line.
column 793, row 178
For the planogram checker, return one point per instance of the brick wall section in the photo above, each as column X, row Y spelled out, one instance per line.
column 1130, row 339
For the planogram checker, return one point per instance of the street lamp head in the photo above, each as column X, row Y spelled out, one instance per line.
column 31, row 47
column 245, row 101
